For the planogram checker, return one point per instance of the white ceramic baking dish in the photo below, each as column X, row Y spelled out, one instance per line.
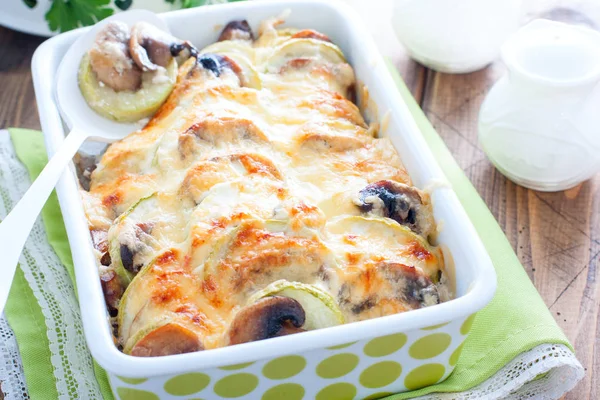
column 384, row 355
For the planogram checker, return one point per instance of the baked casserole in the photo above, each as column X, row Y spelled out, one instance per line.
column 256, row 202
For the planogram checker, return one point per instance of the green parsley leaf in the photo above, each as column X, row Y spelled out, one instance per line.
column 192, row 3
column 65, row 15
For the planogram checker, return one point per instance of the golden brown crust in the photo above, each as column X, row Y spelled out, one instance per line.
column 246, row 186
column 167, row 340
column 311, row 34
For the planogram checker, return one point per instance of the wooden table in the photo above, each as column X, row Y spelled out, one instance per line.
column 555, row 235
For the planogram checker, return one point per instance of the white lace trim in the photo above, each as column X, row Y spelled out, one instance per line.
column 12, row 378
column 516, row 381
column 73, row 368
column 52, row 287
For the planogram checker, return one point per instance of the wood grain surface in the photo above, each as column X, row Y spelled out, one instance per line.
column 555, row 235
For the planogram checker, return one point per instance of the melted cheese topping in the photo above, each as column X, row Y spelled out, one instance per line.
column 249, row 177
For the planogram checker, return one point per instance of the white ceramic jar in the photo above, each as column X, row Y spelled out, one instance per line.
column 455, row 36
column 540, row 124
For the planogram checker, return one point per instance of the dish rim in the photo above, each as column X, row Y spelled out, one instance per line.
column 96, row 327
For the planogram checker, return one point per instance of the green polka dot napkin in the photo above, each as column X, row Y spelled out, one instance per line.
column 509, row 350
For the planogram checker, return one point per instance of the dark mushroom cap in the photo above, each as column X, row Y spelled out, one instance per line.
column 236, row 30
column 112, row 289
column 412, row 286
column 151, row 47
column 129, row 251
column 110, row 59
column 99, row 239
column 400, row 202
column 267, row 318
column 217, row 63
column 127, row 259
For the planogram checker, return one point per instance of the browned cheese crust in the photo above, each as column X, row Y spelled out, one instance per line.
column 257, row 168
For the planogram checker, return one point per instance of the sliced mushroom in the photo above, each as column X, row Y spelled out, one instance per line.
column 320, row 307
column 268, row 317
column 105, row 259
column 330, row 143
column 133, row 251
column 217, row 63
column 127, row 259
column 111, row 61
column 288, row 328
column 100, row 242
column 218, row 131
column 100, row 239
column 393, row 287
column 133, row 247
column 127, row 105
column 85, row 164
column 397, row 201
column 112, row 289
column 412, row 287
column 151, row 47
column 236, row 30
column 167, row 340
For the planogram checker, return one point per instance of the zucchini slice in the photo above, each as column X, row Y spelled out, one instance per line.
column 219, row 249
column 251, row 77
column 144, row 229
column 304, row 49
column 138, row 309
column 243, row 54
column 127, row 242
column 162, row 339
column 320, row 307
column 230, row 47
column 163, row 311
column 384, row 238
column 127, row 106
